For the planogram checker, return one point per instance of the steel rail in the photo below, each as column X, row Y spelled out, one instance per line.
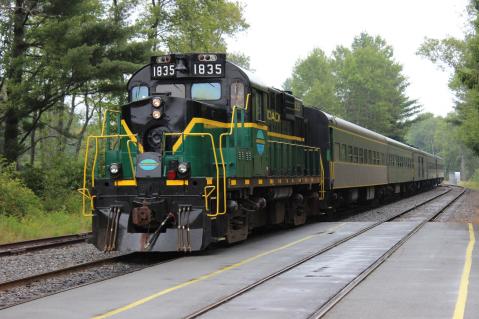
column 363, row 275
column 42, row 243
column 238, row 293
column 57, row 272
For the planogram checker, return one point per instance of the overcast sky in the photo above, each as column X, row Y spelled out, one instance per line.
column 282, row 31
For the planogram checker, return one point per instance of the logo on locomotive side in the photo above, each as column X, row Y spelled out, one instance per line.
column 260, row 141
column 273, row 116
column 148, row 164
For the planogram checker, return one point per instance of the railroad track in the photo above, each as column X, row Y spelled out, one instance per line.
column 58, row 272
column 43, row 243
column 133, row 258
column 343, row 292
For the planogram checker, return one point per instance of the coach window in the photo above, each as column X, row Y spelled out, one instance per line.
column 337, row 151
column 361, row 155
column 176, row 90
column 139, row 92
column 343, row 152
column 237, row 94
column 355, row 155
column 206, row 91
column 350, row 153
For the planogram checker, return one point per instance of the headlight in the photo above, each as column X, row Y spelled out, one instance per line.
column 115, row 169
column 156, row 114
column 183, row 168
column 156, row 102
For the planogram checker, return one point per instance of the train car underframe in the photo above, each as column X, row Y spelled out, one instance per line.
column 380, row 193
column 140, row 218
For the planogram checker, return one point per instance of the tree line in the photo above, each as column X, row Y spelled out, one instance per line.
column 63, row 62
column 362, row 84
column 461, row 55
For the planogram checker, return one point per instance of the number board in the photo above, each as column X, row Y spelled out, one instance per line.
column 208, row 68
column 163, row 70
column 209, row 65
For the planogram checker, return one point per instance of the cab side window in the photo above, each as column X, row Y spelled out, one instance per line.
column 258, row 105
column 237, row 94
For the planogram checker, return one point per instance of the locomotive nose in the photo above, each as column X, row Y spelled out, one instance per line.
column 155, row 138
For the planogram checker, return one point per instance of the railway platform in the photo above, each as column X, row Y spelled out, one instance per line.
column 421, row 280
column 424, row 279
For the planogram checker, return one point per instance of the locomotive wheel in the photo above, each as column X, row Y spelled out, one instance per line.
column 238, row 227
column 295, row 212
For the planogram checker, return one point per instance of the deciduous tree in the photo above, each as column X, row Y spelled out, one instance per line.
column 461, row 55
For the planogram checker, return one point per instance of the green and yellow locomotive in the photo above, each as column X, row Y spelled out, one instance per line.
column 205, row 152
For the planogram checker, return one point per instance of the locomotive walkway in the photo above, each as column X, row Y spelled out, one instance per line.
column 425, row 278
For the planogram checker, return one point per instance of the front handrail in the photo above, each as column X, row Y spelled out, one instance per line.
column 84, row 190
column 208, row 194
column 133, row 172
column 105, row 117
column 181, row 134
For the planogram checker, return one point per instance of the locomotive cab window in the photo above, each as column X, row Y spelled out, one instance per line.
column 139, row 92
column 206, row 91
column 176, row 90
column 237, row 94
column 258, row 105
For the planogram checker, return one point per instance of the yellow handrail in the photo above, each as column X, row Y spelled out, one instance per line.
column 322, row 192
column 232, row 124
column 84, row 190
column 105, row 116
column 208, row 194
column 133, row 172
column 321, row 166
column 215, row 158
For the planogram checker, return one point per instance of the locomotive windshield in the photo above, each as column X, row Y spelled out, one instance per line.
column 176, row 90
column 206, row 91
column 139, row 92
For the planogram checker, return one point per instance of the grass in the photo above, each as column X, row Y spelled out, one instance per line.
column 39, row 225
column 470, row 184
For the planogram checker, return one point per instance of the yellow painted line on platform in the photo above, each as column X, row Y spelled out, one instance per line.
column 207, row 276
column 462, row 296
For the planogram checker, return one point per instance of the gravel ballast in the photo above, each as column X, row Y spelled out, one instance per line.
column 27, row 264
column 392, row 209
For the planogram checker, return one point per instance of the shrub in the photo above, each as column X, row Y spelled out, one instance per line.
column 57, row 183
column 15, row 198
column 475, row 176
column 34, row 178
